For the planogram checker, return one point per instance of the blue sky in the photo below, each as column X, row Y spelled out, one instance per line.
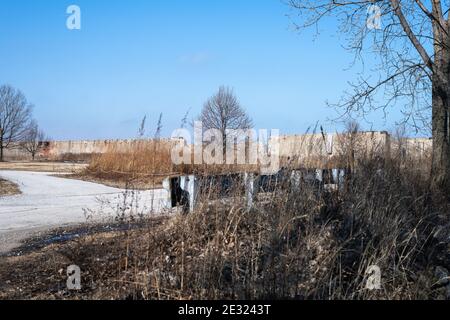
column 134, row 58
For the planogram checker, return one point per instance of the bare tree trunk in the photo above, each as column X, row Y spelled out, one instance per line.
column 1, row 147
column 224, row 146
column 441, row 124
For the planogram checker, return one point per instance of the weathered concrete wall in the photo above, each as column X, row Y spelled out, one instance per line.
column 75, row 150
column 316, row 149
column 16, row 154
column 308, row 150
column 59, row 149
column 412, row 148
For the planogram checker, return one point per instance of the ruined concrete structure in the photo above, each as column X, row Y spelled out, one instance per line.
column 317, row 160
column 413, row 148
column 75, row 150
column 305, row 149
column 313, row 150
column 80, row 149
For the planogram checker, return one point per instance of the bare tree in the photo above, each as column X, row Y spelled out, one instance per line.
column 15, row 114
column 34, row 139
column 410, row 39
column 223, row 112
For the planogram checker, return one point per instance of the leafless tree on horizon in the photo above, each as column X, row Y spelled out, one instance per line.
column 15, row 117
column 224, row 112
column 34, row 139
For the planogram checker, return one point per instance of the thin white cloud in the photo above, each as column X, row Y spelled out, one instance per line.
column 194, row 58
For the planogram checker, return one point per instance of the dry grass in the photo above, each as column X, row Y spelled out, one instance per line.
column 297, row 242
column 145, row 164
column 300, row 245
column 139, row 157
column 8, row 188
column 56, row 167
column 142, row 165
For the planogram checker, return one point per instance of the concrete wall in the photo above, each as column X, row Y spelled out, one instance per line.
column 76, row 150
column 16, row 154
column 309, row 149
column 58, row 149
column 412, row 148
column 312, row 150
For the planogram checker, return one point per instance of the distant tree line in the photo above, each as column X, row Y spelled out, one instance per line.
column 18, row 128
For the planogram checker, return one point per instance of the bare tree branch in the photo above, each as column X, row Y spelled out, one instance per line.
column 15, row 116
column 34, row 139
column 223, row 112
column 407, row 28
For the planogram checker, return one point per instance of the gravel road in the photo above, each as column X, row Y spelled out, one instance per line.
column 48, row 202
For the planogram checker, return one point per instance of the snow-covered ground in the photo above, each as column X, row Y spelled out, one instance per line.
column 48, row 202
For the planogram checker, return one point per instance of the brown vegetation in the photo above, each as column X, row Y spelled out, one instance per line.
column 143, row 164
column 300, row 243
column 57, row 167
column 8, row 188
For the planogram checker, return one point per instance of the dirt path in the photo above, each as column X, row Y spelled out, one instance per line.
column 47, row 202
